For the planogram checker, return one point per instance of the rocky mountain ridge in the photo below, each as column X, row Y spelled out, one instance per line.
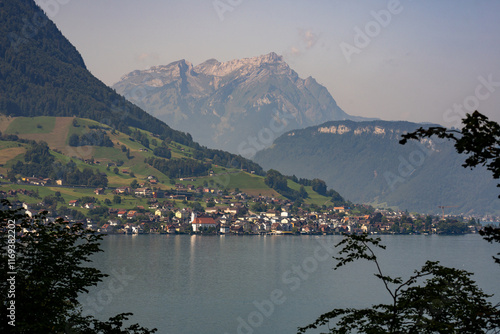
column 222, row 104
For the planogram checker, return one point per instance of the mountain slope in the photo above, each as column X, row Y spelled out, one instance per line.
column 42, row 74
column 239, row 105
column 365, row 163
column 121, row 161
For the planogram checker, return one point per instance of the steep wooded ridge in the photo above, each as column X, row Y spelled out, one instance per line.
column 365, row 163
column 226, row 104
column 42, row 74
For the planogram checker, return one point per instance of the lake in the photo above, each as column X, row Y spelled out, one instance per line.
column 260, row 284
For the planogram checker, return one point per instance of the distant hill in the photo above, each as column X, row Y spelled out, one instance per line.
column 239, row 105
column 365, row 163
column 42, row 74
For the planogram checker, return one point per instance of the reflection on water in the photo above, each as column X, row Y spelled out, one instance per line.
column 261, row 284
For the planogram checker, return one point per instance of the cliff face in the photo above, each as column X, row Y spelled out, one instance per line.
column 227, row 104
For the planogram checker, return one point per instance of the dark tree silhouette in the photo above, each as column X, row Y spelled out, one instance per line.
column 44, row 270
column 480, row 139
column 446, row 301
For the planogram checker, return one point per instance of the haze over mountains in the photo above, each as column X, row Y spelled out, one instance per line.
column 239, row 105
column 244, row 106
column 365, row 163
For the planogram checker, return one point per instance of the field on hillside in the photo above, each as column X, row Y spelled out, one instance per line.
column 9, row 151
column 31, row 125
column 128, row 202
column 249, row 183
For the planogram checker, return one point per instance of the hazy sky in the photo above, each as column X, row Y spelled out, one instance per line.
column 422, row 61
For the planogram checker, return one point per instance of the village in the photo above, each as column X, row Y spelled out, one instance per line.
column 187, row 209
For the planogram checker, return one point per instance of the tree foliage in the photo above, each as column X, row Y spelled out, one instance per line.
column 179, row 167
column 50, row 265
column 162, row 152
column 447, row 300
column 92, row 138
column 279, row 182
column 479, row 138
column 39, row 162
column 436, row 299
column 319, row 186
column 491, row 234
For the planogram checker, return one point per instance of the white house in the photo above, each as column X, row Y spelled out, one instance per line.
column 202, row 223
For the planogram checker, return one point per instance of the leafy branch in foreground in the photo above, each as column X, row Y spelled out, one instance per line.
column 48, row 263
column 479, row 137
column 447, row 300
column 491, row 234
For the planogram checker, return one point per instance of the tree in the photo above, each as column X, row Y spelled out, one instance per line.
column 303, row 193
column 74, row 140
column 163, row 152
column 319, row 186
column 491, row 234
column 376, row 218
column 446, row 301
column 117, row 199
column 47, row 263
column 258, row 207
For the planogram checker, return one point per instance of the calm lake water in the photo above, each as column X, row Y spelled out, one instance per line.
column 260, row 284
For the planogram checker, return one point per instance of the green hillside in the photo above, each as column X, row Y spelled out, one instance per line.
column 122, row 163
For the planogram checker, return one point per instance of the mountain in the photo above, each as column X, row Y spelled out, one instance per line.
column 239, row 105
column 42, row 74
column 366, row 164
